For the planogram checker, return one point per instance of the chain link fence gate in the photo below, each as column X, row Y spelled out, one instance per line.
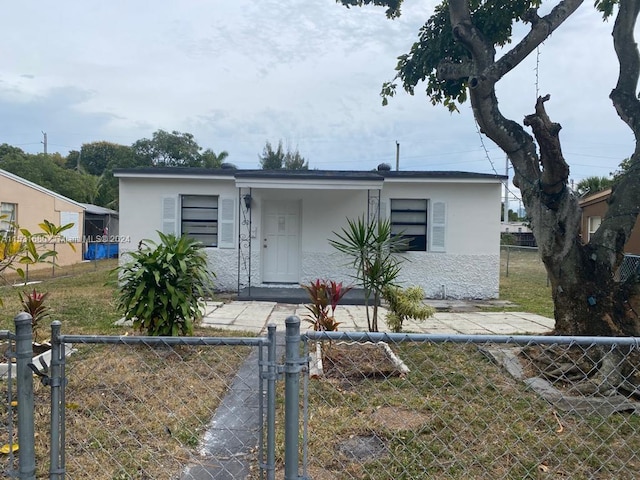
column 125, row 408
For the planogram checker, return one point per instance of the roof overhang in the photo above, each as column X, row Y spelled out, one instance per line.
column 310, row 183
column 158, row 175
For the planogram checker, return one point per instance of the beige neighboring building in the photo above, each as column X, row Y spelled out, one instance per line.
column 28, row 204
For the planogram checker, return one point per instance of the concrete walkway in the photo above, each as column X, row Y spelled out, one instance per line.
column 253, row 316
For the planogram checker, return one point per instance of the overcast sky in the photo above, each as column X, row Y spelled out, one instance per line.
column 239, row 73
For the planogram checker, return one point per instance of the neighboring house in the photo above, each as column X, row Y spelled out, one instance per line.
column 594, row 207
column 28, row 204
column 264, row 228
column 520, row 232
column 101, row 232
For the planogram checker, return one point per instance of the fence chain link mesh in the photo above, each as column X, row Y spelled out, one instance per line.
column 159, row 411
column 8, row 420
column 630, row 267
column 414, row 408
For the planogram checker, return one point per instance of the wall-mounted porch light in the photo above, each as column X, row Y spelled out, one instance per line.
column 247, row 201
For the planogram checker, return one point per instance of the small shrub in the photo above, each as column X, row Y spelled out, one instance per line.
column 405, row 303
column 325, row 296
column 162, row 286
column 34, row 304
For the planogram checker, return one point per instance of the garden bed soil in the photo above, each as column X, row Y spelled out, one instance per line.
column 360, row 360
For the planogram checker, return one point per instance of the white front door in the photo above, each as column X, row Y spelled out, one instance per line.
column 281, row 241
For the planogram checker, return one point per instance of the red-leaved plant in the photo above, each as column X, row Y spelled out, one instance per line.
column 34, row 304
column 325, row 296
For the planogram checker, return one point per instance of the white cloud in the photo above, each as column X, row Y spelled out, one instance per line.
column 236, row 74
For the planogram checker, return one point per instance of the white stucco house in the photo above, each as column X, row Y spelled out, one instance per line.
column 266, row 228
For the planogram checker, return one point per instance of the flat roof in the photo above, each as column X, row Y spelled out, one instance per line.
column 330, row 175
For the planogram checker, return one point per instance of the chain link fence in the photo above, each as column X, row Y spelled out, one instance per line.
column 525, row 261
column 346, row 406
column 8, row 420
column 630, row 267
column 463, row 407
column 133, row 407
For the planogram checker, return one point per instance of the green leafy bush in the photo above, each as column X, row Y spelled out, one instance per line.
column 162, row 286
column 405, row 303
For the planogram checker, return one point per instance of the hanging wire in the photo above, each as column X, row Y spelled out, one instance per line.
column 493, row 167
column 537, row 71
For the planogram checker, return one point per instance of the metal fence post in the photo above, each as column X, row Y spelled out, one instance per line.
column 292, row 367
column 271, row 402
column 56, row 381
column 24, row 384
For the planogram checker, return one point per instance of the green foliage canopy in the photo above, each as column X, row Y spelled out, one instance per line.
column 279, row 159
column 170, row 149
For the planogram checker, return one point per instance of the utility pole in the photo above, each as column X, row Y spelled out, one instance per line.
column 397, row 156
column 45, row 142
column 506, row 190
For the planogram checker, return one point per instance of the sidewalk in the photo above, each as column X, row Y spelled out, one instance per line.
column 253, row 316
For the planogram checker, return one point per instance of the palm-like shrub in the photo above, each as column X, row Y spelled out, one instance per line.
column 162, row 286
column 373, row 254
column 34, row 304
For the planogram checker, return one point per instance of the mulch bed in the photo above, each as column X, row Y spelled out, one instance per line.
column 357, row 360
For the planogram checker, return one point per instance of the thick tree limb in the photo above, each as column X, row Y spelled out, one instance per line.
column 482, row 51
column 541, row 28
column 624, row 203
column 555, row 171
column 624, row 94
column 507, row 134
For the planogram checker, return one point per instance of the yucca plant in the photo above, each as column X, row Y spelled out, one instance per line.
column 161, row 288
column 373, row 250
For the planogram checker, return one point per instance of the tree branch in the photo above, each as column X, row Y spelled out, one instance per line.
column 555, row 171
column 482, row 51
column 624, row 204
column 448, row 70
column 623, row 95
column 541, row 28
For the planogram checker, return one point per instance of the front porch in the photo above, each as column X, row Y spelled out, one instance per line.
column 293, row 294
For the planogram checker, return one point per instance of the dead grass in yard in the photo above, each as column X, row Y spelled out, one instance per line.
column 133, row 412
column 140, row 412
column 455, row 415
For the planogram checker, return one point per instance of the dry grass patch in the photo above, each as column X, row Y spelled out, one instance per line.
column 137, row 412
column 133, row 412
column 457, row 415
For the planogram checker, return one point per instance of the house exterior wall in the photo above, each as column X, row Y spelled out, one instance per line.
column 596, row 206
column 470, row 265
column 34, row 206
column 141, row 217
column 467, row 268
